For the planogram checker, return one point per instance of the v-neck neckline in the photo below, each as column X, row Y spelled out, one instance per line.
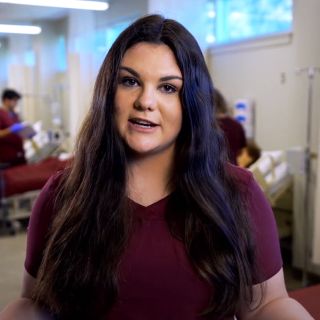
column 165, row 198
column 156, row 209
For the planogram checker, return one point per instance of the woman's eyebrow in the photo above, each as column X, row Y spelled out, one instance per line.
column 130, row 70
column 136, row 74
column 167, row 78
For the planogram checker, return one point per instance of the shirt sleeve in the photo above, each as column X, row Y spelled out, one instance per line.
column 39, row 225
column 6, row 122
column 265, row 233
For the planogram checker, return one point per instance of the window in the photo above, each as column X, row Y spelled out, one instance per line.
column 61, row 54
column 235, row 20
column 104, row 38
column 29, row 58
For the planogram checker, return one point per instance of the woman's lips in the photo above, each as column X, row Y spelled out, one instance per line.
column 142, row 125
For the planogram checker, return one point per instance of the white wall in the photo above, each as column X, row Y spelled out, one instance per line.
column 3, row 62
column 20, row 75
column 46, row 68
column 265, row 72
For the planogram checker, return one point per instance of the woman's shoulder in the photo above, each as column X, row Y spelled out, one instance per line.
column 51, row 187
column 262, row 222
column 43, row 209
column 248, row 187
column 242, row 177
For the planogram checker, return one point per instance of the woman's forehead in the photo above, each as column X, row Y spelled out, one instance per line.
column 145, row 56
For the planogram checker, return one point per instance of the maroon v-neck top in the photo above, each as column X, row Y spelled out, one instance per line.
column 156, row 279
column 11, row 146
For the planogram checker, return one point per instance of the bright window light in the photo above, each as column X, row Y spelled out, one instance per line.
column 210, row 38
column 237, row 20
column 211, row 14
column 10, row 28
column 69, row 4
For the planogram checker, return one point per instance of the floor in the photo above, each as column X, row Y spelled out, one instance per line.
column 12, row 253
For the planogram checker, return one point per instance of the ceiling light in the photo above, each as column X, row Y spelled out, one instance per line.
column 11, row 28
column 69, row 4
column 210, row 38
column 211, row 14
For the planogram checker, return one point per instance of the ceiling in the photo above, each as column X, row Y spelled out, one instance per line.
column 26, row 14
column 13, row 13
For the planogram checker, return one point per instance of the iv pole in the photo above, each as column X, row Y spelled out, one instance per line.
column 311, row 72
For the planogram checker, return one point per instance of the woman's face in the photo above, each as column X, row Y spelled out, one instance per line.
column 147, row 101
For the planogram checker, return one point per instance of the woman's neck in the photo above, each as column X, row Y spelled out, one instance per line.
column 149, row 178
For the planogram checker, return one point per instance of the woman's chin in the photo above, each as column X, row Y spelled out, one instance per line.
column 150, row 149
column 142, row 151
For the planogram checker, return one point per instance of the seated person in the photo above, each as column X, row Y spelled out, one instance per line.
column 233, row 130
column 249, row 155
column 11, row 144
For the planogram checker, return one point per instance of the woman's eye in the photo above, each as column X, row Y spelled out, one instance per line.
column 168, row 88
column 129, row 82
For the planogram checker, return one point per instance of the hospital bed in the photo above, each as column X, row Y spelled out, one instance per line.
column 272, row 172
column 19, row 187
column 282, row 177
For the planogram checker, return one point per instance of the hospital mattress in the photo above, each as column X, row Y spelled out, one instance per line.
column 29, row 177
column 278, row 178
column 270, row 160
column 20, row 186
column 271, row 171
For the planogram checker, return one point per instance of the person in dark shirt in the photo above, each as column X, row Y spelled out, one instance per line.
column 249, row 155
column 11, row 144
column 151, row 221
column 233, row 130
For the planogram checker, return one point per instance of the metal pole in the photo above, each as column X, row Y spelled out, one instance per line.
column 311, row 71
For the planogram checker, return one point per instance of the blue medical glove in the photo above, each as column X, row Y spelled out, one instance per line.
column 31, row 135
column 16, row 127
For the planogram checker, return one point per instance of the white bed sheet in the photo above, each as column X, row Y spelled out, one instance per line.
column 272, row 172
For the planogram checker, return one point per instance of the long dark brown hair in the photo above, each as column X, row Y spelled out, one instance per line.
column 92, row 226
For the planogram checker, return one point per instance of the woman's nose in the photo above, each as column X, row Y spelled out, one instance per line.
column 146, row 100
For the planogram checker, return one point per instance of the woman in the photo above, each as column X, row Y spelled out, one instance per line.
column 233, row 130
column 150, row 222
